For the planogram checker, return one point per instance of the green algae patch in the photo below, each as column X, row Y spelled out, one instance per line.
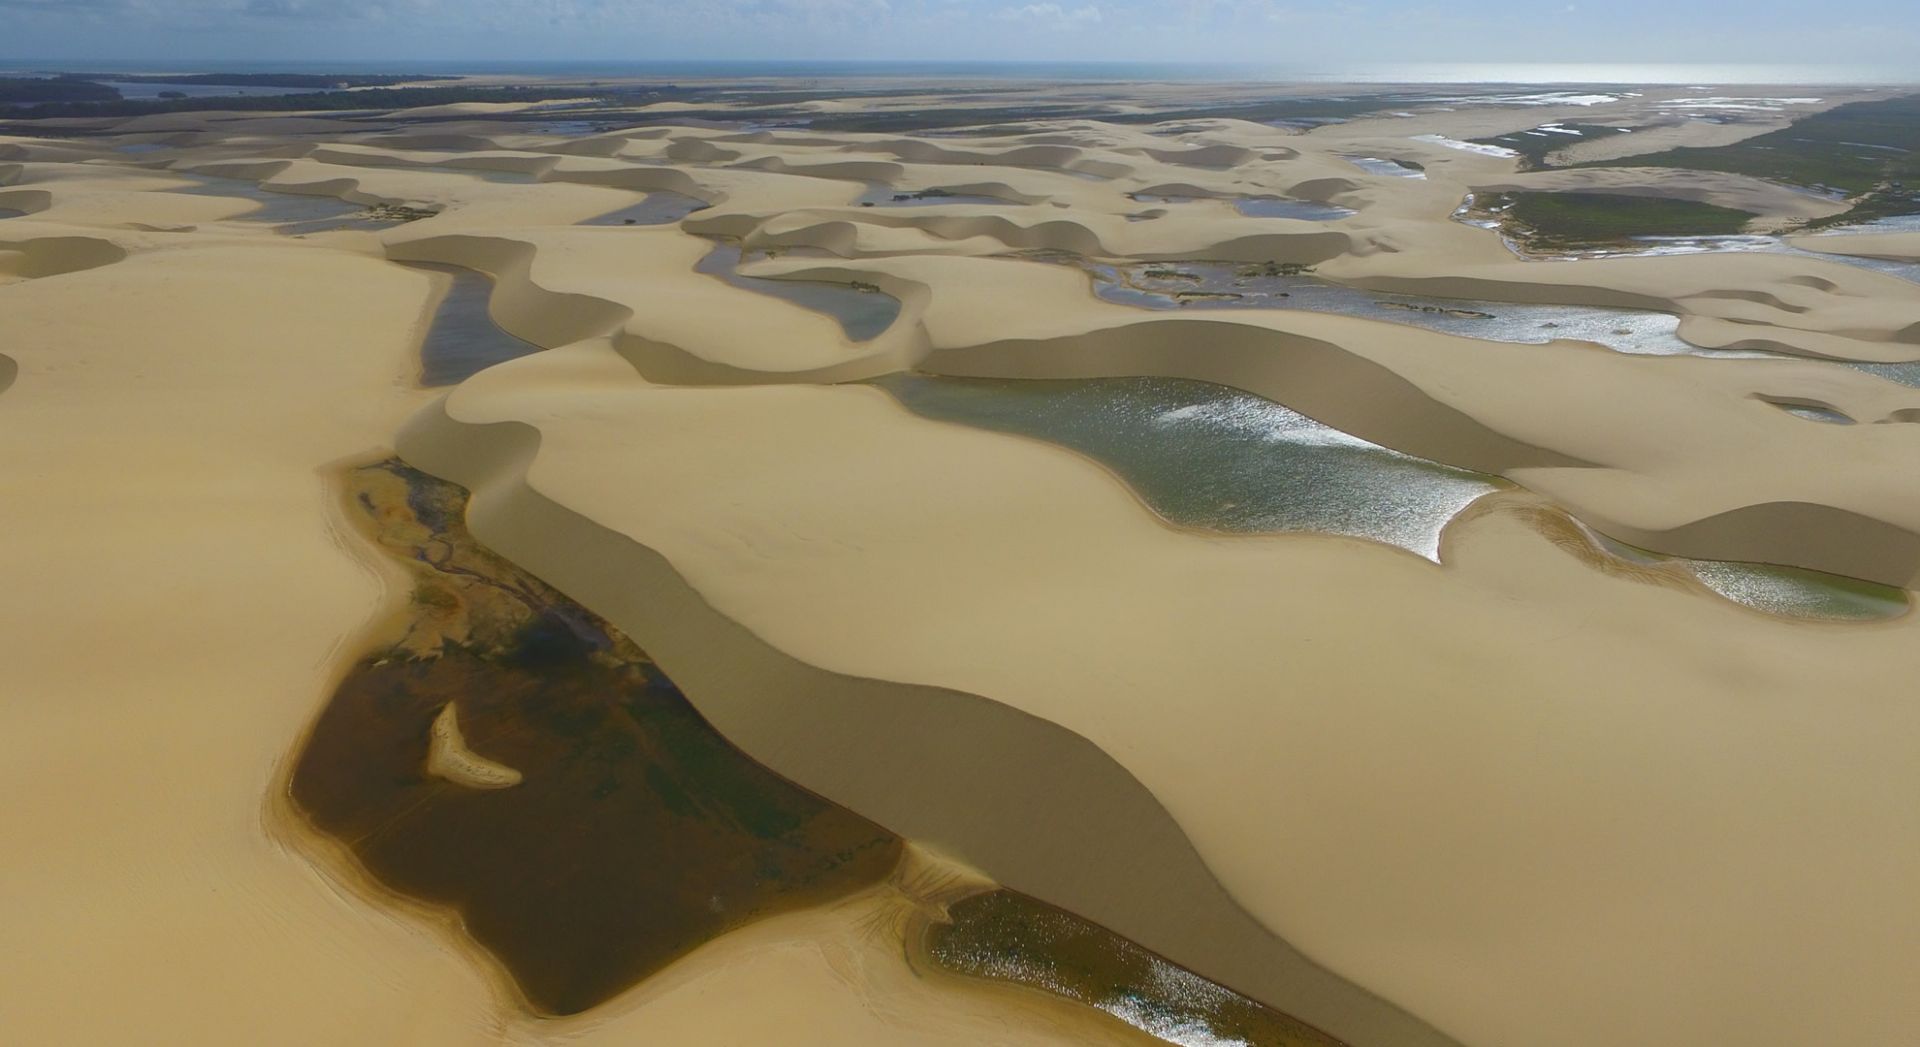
column 636, row 832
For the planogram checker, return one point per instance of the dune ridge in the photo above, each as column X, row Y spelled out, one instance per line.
column 856, row 740
column 1531, row 794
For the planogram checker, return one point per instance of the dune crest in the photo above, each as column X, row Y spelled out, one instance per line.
column 1533, row 785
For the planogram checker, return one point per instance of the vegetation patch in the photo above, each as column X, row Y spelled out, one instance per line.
column 1537, row 144
column 1575, row 219
column 314, row 81
column 38, row 90
column 1870, row 151
column 384, row 212
column 373, row 99
column 636, row 833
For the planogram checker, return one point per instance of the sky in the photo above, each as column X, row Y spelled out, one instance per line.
column 1276, row 33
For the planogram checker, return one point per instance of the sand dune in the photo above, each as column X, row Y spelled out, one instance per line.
column 1531, row 794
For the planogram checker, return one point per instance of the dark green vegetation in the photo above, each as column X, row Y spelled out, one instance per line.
column 1868, row 150
column 732, row 104
column 1280, row 111
column 317, row 81
column 376, row 99
column 1011, row 937
column 637, row 833
column 935, row 119
column 1283, row 110
column 23, row 90
column 1534, row 146
column 1575, row 219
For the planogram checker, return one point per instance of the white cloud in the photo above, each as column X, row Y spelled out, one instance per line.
column 1052, row 15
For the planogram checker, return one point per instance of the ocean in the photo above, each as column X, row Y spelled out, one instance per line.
column 1407, row 73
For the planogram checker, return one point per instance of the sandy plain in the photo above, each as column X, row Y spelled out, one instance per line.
column 1523, row 796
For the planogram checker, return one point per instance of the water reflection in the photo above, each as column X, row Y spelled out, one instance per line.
column 1741, row 243
column 1010, row 937
column 1284, row 207
column 1378, row 165
column 1262, row 206
column 1907, row 374
column 1788, row 592
column 462, row 340
column 1814, row 414
column 1904, row 223
column 1228, row 285
column 1213, row 457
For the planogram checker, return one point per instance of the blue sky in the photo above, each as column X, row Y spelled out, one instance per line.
column 1270, row 32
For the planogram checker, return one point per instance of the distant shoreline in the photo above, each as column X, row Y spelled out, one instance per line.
column 1378, row 73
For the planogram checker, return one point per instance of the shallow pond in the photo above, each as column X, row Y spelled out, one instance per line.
column 1382, row 166
column 887, row 196
column 1284, row 207
column 661, row 207
column 1010, row 937
column 1742, row 243
column 1677, row 245
column 462, row 340
column 1212, row 457
column 1262, row 206
column 1907, row 374
column 1788, row 592
column 1815, row 414
column 1905, row 223
column 1228, row 285
column 294, row 213
column 862, row 314
column 1208, row 456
